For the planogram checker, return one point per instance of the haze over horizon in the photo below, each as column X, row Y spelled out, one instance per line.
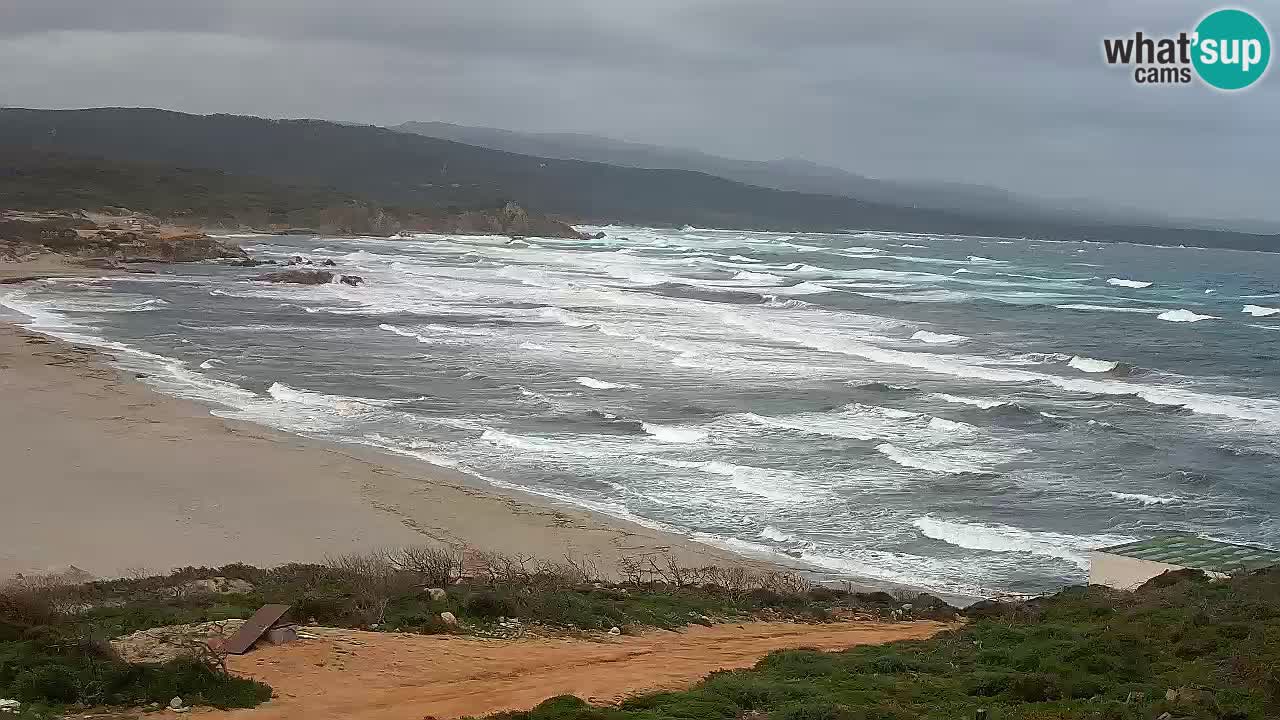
column 1014, row 97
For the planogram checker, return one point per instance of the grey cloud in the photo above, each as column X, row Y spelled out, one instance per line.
column 1012, row 94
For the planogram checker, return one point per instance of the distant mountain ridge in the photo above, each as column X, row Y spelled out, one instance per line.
column 790, row 174
column 798, row 175
column 395, row 168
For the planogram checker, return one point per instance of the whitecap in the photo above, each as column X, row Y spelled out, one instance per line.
column 976, row 402
column 674, row 433
column 1184, row 315
column 1123, row 282
column 1147, row 499
column 772, row 533
column 1259, row 311
column 595, row 384
column 758, row 278
column 1089, row 365
column 951, row 462
column 937, row 338
column 208, row 364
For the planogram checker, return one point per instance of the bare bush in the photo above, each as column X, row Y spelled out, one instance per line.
column 433, row 566
column 374, row 580
column 787, row 583
column 40, row 600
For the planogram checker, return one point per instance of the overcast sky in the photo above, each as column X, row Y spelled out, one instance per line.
column 1012, row 94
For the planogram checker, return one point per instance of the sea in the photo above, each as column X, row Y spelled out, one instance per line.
column 964, row 415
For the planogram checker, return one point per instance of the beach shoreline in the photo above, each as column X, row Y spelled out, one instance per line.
column 110, row 476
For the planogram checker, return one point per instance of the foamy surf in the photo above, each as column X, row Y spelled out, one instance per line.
column 1127, row 283
column 937, row 338
column 674, row 434
column 1184, row 316
column 595, row 384
column 1090, row 365
column 1142, row 499
column 1259, row 311
column 994, row 537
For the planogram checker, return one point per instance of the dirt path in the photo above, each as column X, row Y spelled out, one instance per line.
column 385, row 676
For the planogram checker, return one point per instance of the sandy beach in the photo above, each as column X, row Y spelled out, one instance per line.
column 103, row 473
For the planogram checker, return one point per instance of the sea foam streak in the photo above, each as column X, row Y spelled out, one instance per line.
column 1123, row 282
column 1109, row 308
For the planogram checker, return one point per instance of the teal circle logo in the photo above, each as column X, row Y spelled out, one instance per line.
column 1232, row 49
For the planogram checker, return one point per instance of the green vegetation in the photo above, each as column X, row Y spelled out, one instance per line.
column 53, row 648
column 1180, row 645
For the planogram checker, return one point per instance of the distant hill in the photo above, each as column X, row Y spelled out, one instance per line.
column 407, row 169
column 785, row 174
column 42, row 180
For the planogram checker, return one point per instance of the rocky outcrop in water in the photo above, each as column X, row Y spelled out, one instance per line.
column 298, row 277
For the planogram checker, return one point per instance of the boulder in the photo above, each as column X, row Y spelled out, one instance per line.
column 615, row 630
column 298, row 277
column 987, row 609
column 176, row 703
column 329, row 263
column 437, row 594
column 352, row 280
column 217, row 586
column 449, row 619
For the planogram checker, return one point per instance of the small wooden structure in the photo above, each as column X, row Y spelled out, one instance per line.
column 267, row 617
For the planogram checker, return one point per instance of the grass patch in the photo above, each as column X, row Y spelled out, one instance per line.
column 1182, row 646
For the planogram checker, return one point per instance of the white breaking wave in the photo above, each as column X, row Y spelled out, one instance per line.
column 595, row 384
column 1147, row 499
column 564, row 317
column 976, row 402
column 937, row 338
column 1005, row 538
column 1259, row 311
column 208, row 364
column 951, row 462
column 1242, row 408
column 776, row 485
column 1184, row 315
column 1122, row 282
column 1089, row 365
column 758, row 278
column 772, row 533
column 674, row 433
column 339, row 404
column 744, row 258
column 1109, row 308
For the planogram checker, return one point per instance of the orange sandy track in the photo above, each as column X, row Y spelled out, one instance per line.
column 386, row 676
